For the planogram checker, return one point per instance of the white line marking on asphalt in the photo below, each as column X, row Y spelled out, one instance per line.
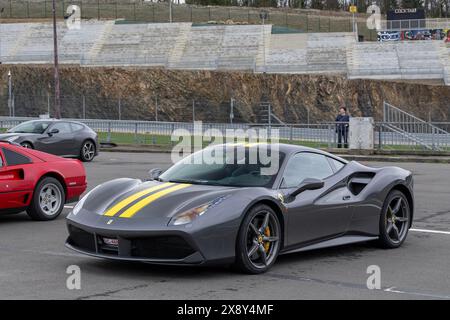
column 430, row 231
column 68, row 207
column 341, row 284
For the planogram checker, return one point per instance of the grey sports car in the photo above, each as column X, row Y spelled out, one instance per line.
column 59, row 137
column 241, row 211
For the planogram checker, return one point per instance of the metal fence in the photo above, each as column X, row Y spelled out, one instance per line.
column 314, row 135
column 140, row 11
column 154, row 105
column 304, row 21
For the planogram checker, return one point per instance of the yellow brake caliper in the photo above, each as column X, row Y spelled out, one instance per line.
column 267, row 234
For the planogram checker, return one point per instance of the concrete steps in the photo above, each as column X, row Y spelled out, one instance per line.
column 97, row 47
column 177, row 50
column 263, row 49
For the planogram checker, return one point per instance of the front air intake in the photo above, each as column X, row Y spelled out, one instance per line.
column 161, row 247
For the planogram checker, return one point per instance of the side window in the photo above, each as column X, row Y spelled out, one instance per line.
column 13, row 158
column 337, row 164
column 76, row 126
column 305, row 165
column 63, row 127
column 1, row 161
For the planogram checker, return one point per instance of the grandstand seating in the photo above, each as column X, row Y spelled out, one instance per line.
column 313, row 53
column 138, row 44
column 224, row 47
column 402, row 60
column 240, row 46
column 202, row 48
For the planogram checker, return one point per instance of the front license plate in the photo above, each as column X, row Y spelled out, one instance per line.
column 111, row 242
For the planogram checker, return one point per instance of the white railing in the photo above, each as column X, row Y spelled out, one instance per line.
column 413, row 128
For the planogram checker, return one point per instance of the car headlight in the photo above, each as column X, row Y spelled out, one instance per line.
column 192, row 214
column 80, row 203
column 12, row 139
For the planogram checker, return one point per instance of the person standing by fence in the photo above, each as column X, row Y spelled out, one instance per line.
column 342, row 124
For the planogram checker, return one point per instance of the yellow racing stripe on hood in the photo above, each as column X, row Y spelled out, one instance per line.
column 131, row 211
column 125, row 202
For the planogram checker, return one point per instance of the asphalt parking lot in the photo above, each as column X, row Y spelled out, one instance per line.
column 33, row 259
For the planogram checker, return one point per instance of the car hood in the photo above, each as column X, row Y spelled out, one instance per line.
column 158, row 201
column 5, row 136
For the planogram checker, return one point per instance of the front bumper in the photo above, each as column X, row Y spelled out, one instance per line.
column 150, row 247
column 156, row 245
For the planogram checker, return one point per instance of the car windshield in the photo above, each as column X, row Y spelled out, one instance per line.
column 235, row 166
column 31, row 127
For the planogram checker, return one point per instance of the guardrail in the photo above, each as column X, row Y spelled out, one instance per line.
column 315, row 135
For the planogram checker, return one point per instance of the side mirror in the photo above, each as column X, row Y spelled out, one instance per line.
column 154, row 173
column 53, row 131
column 307, row 184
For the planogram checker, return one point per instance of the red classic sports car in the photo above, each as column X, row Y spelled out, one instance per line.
column 38, row 182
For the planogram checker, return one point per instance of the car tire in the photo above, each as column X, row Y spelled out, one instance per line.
column 394, row 220
column 87, row 151
column 259, row 240
column 27, row 145
column 48, row 200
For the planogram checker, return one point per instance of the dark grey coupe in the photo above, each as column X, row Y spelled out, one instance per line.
column 59, row 137
column 240, row 212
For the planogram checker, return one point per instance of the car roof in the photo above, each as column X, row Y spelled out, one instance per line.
column 53, row 120
column 49, row 120
column 293, row 148
column 289, row 149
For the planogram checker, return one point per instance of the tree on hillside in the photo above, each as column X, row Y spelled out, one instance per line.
column 411, row 3
column 433, row 8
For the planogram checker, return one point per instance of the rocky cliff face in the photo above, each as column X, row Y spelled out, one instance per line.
column 295, row 98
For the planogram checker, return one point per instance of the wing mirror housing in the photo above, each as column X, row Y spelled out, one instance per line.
column 53, row 131
column 154, row 173
column 307, row 184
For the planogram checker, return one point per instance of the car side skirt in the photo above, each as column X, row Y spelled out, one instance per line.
column 339, row 241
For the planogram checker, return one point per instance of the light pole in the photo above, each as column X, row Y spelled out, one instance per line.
column 156, row 108
column 9, row 93
column 55, row 66
column 1, row 11
column 353, row 17
column 170, row 11
column 263, row 15
column 353, row 10
column 232, row 110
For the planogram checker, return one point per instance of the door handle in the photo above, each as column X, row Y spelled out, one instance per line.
column 345, row 198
